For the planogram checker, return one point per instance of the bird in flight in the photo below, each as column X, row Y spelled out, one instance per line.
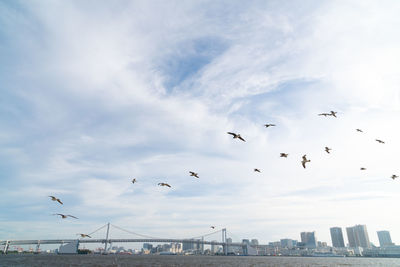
column 56, row 199
column 269, row 125
column 332, row 113
column 65, row 216
column 284, row 155
column 237, row 136
column 134, row 180
column 379, row 141
column 257, row 170
column 394, row 176
column 363, row 169
column 194, row 174
column 327, row 149
column 359, row 130
column 84, row 235
column 304, row 161
column 164, row 184
column 212, row 227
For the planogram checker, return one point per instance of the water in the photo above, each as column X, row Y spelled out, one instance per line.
column 192, row 260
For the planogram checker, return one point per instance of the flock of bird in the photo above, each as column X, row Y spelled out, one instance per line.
column 304, row 161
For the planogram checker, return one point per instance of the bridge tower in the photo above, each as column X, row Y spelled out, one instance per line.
column 38, row 246
column 6, row 246
column 225, row 247
column 108, row 230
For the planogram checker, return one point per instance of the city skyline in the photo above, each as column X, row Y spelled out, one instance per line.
column 103, row 102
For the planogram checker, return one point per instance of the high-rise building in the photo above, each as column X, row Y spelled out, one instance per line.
column 286, row 243
column 309, row 239
column 188, row 246
column 214, row 248
column 254, row 242
column 358, row 236
column 384, row 239
column 246, row 241
column 147, row 246
column 337, row 237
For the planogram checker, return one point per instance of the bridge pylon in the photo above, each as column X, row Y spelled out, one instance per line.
column 6, row 246
column 225, row 247
column 38, row 246
column 108, row 230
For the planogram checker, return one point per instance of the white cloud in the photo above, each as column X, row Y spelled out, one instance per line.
column 93, row 85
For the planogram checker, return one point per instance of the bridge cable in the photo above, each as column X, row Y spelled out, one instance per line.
column 98, row 229
column 206, row 234
column 145, row 236
column 230, row 234
column 152, row 237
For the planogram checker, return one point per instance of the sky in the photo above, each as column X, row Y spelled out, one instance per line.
column 96, row 93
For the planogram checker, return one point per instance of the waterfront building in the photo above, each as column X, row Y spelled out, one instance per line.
column 384, row 239
column 176, row 247
column 309, row 239
column 358, row 236
column 147, row 246
column 286, row 243
column 254, row 242
column 214, row 248
column 188, row 246
column 337, row 237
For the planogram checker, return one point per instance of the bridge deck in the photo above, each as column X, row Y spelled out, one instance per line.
column 164, row 240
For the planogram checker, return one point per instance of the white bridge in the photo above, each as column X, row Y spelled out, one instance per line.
column 147, row 239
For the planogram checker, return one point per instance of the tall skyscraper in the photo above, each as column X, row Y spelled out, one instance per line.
column 286, row 243
column 309, row 239
column 384, row 239
column 337, row 237
column 358, row 236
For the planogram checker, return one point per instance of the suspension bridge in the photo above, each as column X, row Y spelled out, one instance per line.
column 107, row 241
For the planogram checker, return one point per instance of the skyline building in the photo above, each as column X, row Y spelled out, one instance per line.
column 286, row 243
column 188, row 246
column 214, row 248
column 254, row 242
column 384, row 238
column 309, row 239
column 358, row 236
column 337, row 237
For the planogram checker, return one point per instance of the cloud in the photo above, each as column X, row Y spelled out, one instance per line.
column 96, row 95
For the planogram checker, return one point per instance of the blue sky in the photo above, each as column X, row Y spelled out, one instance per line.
column 95, row 93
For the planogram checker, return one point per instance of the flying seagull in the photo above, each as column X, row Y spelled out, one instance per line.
column 333, row 113
column 134, row 180
column 237, row 136
column 394, row 176
column 284, row 155
column 194, row 174
column 164, row 184
column 359, row 130
column 257, row 170
column 304, row 161
column 212, row 227
column 269, row 125
column 84, row 235
column 327, row 149
column 56, row 199
column 363, row 169
column 379, row 141
column 65, row 216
